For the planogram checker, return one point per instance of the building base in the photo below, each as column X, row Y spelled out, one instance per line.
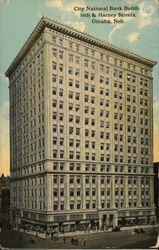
column 81, row 221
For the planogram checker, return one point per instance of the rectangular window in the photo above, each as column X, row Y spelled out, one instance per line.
column 86, row 75
column 77, row 47
column 77, row 71
column 70, row 82
column 86, row 51
column 134, row 79
column 61, row 55
column 60, row 79
column 107, row 69
column 92, row 99
column 120, row 74
column 101, row 79
column 93, row 65
column 128, row 77
column 86, row 86
column 54, row 78
column 115, row 83
column 77, row 96
column 70, row 57
column 70, row 45
column 70, row 94
column 70, row 70
column 115, row 72
column 54, row 52
column 77, row 59
column 101, row 67
column 54, row 39
column 107, row 81
column 92, row 88
column 60, row 42
column 92, row 52
column 86, row 63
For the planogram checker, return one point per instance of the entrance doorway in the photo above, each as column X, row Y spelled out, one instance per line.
column 104, row 222
column 111, row 219
column 107, row 221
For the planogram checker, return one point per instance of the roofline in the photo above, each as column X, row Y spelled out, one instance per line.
column 46, row 22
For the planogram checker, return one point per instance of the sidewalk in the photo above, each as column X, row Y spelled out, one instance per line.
column 78, row 233
column 142, row 226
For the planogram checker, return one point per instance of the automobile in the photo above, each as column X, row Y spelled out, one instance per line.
column 136, row 231
column 116, row 229
column 141, row 230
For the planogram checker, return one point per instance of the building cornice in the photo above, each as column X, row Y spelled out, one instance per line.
column 80, row 173
column 45, row 22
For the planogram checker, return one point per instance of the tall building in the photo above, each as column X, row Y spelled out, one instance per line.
column 80, row 131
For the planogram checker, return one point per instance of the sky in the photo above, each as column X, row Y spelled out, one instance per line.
column 18, row 18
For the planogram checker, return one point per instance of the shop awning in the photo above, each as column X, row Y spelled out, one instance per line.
column 83, row 222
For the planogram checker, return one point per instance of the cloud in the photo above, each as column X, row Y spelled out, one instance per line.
column 130, row 1
column 54, row 4
column 146, row 8
column 119, row 26
column 144, row 19
column 6, row 1
column 144, row 22
column 132, row 37
column 64, row 5
column 4, row 138
column 77, row 25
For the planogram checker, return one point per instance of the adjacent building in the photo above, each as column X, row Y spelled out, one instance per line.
column 80, row 132
column 4, row 194
column 156, row 188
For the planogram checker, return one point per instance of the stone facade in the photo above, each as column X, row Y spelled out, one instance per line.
column 81, row 131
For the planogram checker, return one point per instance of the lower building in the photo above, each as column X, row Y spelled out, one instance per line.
column 4, row 194
column 156, row 188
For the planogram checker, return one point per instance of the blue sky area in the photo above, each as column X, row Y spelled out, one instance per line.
column 18, row 18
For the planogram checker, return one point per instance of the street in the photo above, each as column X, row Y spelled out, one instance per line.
column 122, row 239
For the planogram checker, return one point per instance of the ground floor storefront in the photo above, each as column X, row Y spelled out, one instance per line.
column 101, row 220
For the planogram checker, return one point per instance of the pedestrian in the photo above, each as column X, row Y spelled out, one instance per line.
column 84, row 243
column 64, row 240
column 76, row 241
